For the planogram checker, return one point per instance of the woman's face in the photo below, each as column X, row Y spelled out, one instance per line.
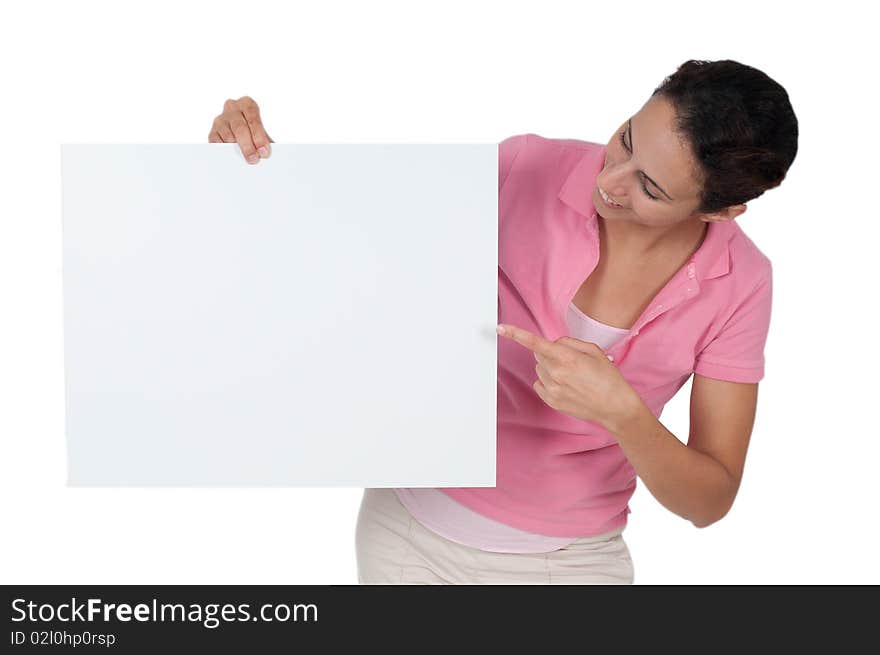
column 648, row 171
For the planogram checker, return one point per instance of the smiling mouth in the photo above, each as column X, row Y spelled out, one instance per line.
column 607, row 198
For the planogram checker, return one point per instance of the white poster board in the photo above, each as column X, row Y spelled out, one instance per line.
column 323, row 318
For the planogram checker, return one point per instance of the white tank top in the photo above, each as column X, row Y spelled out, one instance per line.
column 452, row 520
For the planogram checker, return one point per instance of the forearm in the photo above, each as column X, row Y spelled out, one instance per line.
column 685, row 481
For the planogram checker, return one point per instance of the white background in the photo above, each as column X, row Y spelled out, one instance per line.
column 159, row 72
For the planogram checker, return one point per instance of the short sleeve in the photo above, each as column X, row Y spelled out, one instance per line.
column 507, row 153
column 736, row 354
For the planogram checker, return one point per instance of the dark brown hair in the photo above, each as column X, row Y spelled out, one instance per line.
column 739, row 124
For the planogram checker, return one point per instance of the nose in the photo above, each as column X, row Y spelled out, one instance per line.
column 613, row 181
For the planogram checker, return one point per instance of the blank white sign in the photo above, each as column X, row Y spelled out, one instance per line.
column 323, row 318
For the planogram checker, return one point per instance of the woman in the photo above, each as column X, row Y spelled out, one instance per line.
column 621, row 273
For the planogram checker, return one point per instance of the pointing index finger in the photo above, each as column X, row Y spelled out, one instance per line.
column 533, row 342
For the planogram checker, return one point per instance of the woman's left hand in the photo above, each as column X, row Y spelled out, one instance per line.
column 576, row 378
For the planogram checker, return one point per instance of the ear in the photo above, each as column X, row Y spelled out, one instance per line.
column 726, row 214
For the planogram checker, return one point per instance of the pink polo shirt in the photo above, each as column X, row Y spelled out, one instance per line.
column 558, row 475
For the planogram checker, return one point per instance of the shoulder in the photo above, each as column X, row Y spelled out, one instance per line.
column 550, row 158
column 539, row 144
column 747, row 261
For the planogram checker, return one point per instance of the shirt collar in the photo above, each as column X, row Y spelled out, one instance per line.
column 712, row 258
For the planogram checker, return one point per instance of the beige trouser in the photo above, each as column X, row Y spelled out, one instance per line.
column 394, row 548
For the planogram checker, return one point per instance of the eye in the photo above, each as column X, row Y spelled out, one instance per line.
column 626, row 147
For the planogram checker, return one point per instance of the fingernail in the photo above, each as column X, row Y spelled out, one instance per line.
column 264, row 151
column 252, row 159
column 500, row 329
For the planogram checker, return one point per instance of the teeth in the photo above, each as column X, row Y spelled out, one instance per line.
column 606, row 198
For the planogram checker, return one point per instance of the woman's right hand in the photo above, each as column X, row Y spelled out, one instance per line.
column 240, row 123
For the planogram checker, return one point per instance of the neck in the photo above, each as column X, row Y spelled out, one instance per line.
column 627, row 241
